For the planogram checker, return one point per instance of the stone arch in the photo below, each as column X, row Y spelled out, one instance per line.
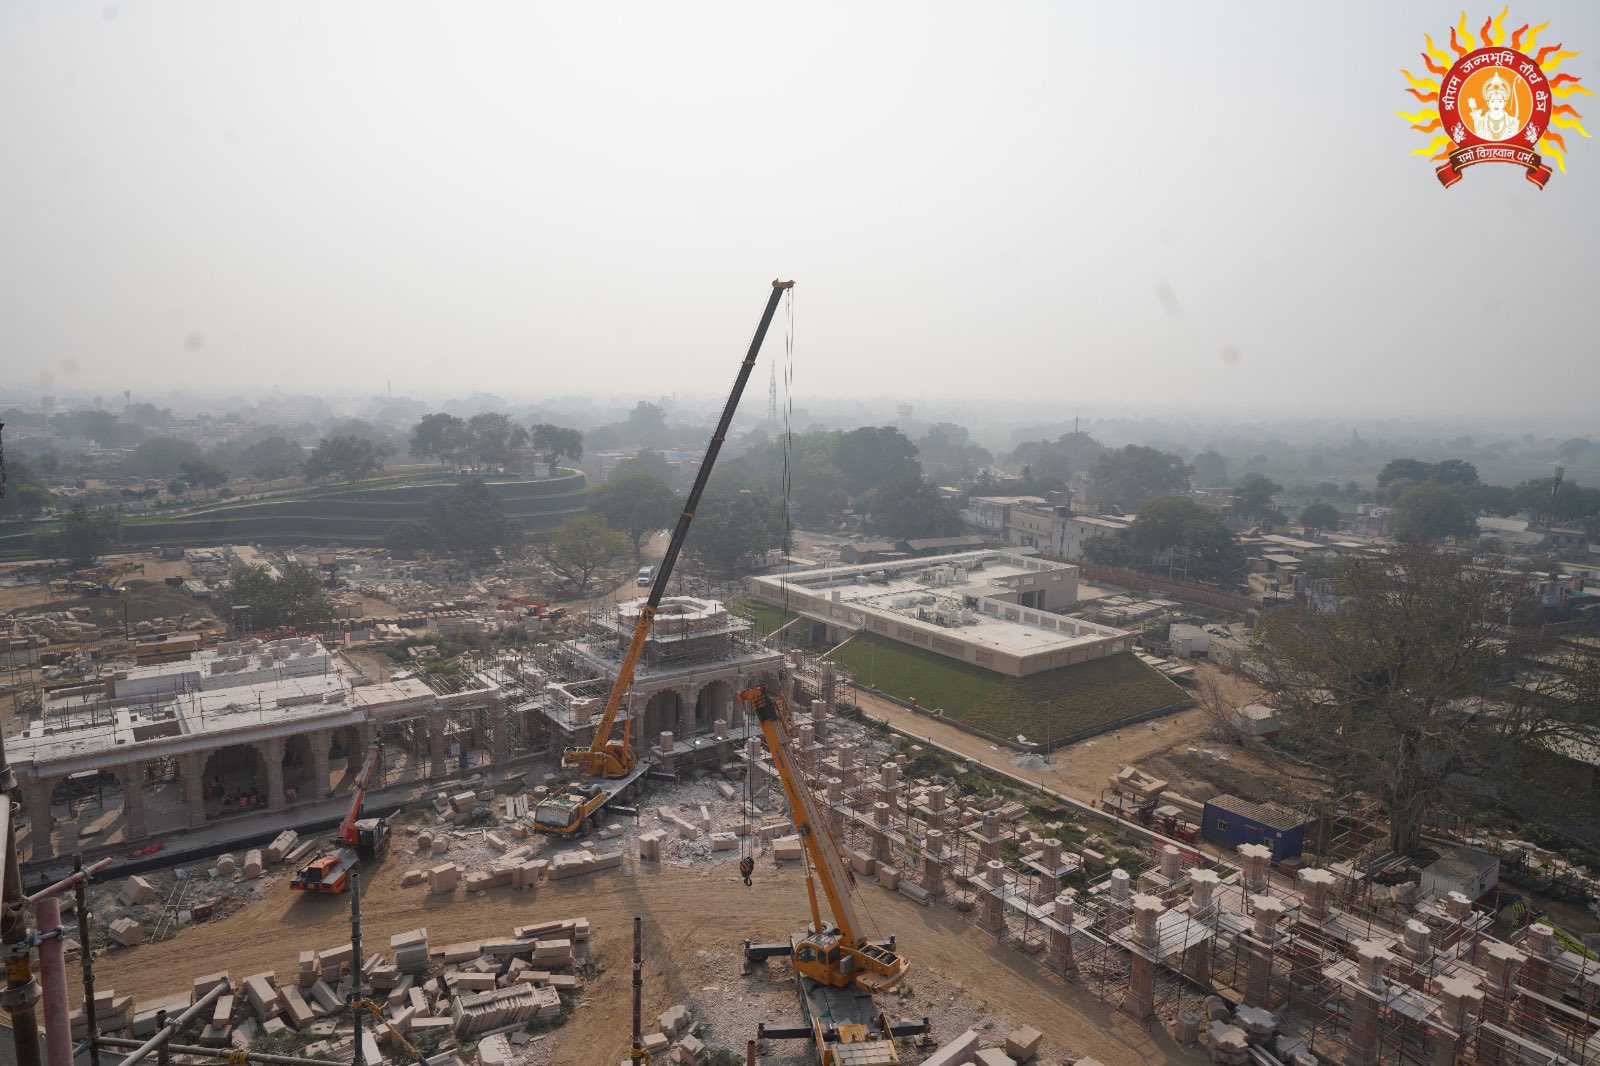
column 714, row 702
column 298, row 760
column 661, row 715
column 233, row 769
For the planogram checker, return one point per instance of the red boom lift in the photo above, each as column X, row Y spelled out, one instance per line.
column 362, row 838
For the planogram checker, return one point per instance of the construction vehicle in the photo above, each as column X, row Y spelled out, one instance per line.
column 568, row 813
column 361, row 838
column 838, row 970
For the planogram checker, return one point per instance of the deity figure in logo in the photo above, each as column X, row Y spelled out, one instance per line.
column 1495, row 124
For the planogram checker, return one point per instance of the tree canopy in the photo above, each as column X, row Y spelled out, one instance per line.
column 348, row 458
column 1431, row 512
column 85, row 535
column 1395, row 684
column 1170, row 524
column 579, row 547
column 947, row 446
column 25, row 495
column 635, row 504
column 271, row 458
column 1058, row 459
column 469, row 520
column 161, row 457
column 1324, row 516
column 295, row 599
column 873, row 456
column 731, row 528
column 554, row 443
column 1128, row 477
column 911, row 508
column 1252, row 497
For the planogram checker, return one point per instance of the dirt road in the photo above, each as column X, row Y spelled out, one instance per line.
column 695, row 918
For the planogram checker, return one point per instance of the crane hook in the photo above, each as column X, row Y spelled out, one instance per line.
column 747, row 866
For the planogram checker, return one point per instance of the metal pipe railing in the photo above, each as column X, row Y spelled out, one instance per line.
column 221, row 1054
column 71, row 879
column 165, row 1032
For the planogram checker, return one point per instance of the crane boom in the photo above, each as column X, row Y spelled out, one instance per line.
column 814, row 833
column 347, row 828
column 611, row 758
column 841, row 955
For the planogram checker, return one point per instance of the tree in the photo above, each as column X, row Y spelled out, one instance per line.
column 1103, row 550
column 469, row 520
column 440, row 436
column 646, row 426
column 350, row 458
column 271, row 458
column 1058, row 459
column 25, row 495
column 554, row 443
column 1453, row 472
column 649, row 462
column 635, row 504
column 84, row 536
column 816, row 491
column 1210, row 469
column 1393, row 685
column 203, row 475
column 911, row 507
column 947, row 446
column 730, row 528
column 579, row 547
column 161, row 457
column 1432, row 512
column 1169, row 524
column 1324, row 516
column 1252, row 496
column 873, row 456
column 295, row 599
column 1412, row 470
column 492, row 438
column 102, row 427
column 1129, row 477
column 405, row 539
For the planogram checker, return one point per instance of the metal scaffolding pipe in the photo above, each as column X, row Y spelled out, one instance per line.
column 71, row 879
column 164, row 1034
column 53, row 980
column 226, row 1054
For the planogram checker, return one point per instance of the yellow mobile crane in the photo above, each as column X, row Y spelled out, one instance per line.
column 838, row 970
column 570, row 812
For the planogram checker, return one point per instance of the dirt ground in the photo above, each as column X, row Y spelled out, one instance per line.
column 694, row 919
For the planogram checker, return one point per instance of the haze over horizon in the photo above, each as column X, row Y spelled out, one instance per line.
column 1125, row 207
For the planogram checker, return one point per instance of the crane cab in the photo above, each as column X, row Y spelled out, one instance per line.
column 372, row 838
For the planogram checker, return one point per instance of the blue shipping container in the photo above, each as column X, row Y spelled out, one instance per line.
column 1231, row 821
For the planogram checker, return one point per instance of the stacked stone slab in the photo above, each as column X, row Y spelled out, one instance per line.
column 410, row 951
column 517, row 1003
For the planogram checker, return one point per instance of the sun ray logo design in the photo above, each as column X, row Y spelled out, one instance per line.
column 1495, row 101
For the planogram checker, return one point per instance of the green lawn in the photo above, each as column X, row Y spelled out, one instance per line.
column 1054, row 703
column 767, row 618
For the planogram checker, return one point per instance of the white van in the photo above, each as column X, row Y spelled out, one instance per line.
column 646, row 574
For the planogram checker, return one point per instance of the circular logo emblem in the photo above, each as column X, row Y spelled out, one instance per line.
column 1494, row 96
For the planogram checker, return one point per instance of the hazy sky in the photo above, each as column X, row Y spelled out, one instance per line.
column 1117, row 202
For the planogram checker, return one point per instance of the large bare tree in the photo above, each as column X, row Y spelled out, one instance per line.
column 1407, row 681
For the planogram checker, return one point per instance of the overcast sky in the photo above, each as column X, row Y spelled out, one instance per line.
column 1114, row 203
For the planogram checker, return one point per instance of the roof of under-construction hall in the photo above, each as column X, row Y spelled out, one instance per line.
column 238, row 693
column 990, row 607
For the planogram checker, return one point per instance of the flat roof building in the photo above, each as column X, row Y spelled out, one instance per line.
column 991, row 608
